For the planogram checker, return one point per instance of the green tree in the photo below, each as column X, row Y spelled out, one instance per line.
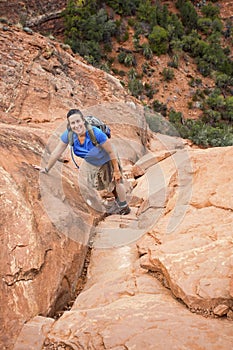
column 210, row 11
column 158, row 40
column 205, row 25
column 124, row 7
column 228, row 112
column 188, row 14
column 147, row 12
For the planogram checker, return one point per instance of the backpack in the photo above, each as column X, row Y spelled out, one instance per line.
column 89, row 122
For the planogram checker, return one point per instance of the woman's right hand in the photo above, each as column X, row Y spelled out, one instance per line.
column 41, row 170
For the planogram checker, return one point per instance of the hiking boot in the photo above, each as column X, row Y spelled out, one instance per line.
column 118, row 210
column 112, row 209
column 124, row 210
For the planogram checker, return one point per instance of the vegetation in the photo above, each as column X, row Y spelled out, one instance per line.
column 92, row 26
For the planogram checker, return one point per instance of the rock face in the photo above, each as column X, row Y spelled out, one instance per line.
column 45, row 220
column 176, row 242
column 44, row 17
column 194, row 253
column 138, row 266
column 40, row 263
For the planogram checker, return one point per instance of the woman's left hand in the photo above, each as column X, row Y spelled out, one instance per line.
column 117, row 175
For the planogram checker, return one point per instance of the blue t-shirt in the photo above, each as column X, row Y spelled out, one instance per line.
column 92, row 154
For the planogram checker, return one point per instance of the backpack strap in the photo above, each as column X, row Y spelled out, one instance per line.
column 91, row 133
column 70, row 137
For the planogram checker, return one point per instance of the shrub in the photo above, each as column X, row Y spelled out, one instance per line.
column 210, row 11
column 135, row 87
column 188, row 14
column 86, row 27
column 203, row 67
column 205, row 25
column 195, row 82
column 132, row 74
column 215, row 101
column 147, row 51
column 217, row 25
column 126, row 7
column 223, row 80
column 129, row 60
column 158, row 40
column 174, row 62
column 147, row 12
column 203, row 134
column 158, row 123
column 147, row 69
column 149, row 90
column 227, row 114
column 211, row 117
column 159, row 107
column 168, row 74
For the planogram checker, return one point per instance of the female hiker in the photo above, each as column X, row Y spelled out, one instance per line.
column 102, row 167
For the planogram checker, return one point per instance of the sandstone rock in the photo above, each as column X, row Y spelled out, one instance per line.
column 231, row 287
column 149, row 160
column 221, row 310
column 108, row 315
column 123, row 306
column 40, row 264
column 46, row 221
column 230, row 315
column 196, row 257
column 186, row 211
column 34, row 333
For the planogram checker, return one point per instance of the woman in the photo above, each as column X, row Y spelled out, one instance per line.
column 103, row 168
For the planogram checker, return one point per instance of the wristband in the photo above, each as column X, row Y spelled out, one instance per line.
column 46, row 170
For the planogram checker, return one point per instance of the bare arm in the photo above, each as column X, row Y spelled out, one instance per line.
column 107, row 146
column 55, row 155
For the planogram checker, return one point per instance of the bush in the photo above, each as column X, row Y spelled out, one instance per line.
column 158, row 123
column 205, row 25
column 168, row 74
column 227, row 114
column 223, row 81
column 126, row 7
column 147, row 12
column 203, row 67
column 127, row 59
column 160, row 107
column 210, row 11
column 158, row 40
column 203, row 134
column 195, row 82
column 147, row 51
column 135, row 87
column 86, row 27
column 174, row 62
column 149, row 90
column 188, row 14
column 132, row 73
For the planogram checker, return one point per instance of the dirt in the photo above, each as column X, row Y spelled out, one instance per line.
column 177, row 93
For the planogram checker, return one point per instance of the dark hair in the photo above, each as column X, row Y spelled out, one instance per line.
column 74, row 111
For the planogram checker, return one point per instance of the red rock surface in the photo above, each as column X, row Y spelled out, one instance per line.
column 180, row 227
column 45, row 221
column 137, row 266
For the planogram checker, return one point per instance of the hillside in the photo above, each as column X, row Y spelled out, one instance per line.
column 176, row 94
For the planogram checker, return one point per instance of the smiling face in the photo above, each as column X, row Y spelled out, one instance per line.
column 77, row 124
